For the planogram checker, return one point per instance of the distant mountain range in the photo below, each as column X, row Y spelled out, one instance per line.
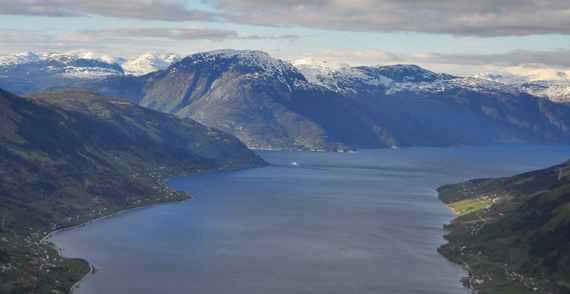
column 545, row 83
column 83, row 64
column 305, row 105
column 140, row 65
column 28, row 72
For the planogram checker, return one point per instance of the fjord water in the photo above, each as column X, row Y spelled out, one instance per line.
column 365, row 222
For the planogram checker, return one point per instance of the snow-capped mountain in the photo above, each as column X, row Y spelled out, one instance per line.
column 253, row 64
column 22, row 57
column 393, row 79
column 337, row 76
column 314, row 105
column 149, row 62
column 27, row 72
column 551, row 84
column 139, row 65
column 271, row 104
column 245, row 92
column 526, row 77
column 555, row 90
column 545, row 83
column 83, row 54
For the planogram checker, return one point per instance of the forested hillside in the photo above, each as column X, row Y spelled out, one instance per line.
column 70, row 156
column 513, row 233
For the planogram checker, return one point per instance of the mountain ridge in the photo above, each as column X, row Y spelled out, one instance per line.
column 545, row 83
column 138, row 65
column 267, row 103
column 270, row 104
column 273, row 104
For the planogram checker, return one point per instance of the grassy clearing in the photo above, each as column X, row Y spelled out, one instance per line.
column 468, row 206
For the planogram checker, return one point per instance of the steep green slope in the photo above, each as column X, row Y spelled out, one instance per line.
column 69, row 156
column 513, row 233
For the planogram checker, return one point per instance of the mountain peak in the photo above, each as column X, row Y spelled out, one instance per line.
column 266, row 63
column 409, row 73
column 254, row 62
column 149, row 62
column 83, row 54
column 140, row 65
column 18, row 58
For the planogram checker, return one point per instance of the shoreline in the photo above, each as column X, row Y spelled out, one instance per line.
column 76, row 285
column 464, row 265
column 93, row 269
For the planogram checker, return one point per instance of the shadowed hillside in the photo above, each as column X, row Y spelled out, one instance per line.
column 69, row 156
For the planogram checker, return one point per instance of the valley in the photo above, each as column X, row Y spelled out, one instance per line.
column 311, row 137
column 103, row 140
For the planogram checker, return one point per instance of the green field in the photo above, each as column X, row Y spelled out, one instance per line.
column 469, row 205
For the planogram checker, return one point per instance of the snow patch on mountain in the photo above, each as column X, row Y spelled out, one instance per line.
column 140, row 65
column 264, row 66
column 18, row 58
column 253, row 58
column 546, row 83
column 149, row 62
column 555, row 90
column 83, row 54
column 526, row 77
column 393, row 79
column 311, row 68
column 87, row 72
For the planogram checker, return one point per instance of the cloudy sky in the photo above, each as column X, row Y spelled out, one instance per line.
column 459, row 37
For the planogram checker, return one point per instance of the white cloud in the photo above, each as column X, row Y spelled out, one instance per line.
column 484, row 18
column 182, row 33
column 139, row 9
column 12, row 41
column 128, row 42
column 77, row 38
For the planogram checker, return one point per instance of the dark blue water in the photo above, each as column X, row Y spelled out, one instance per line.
column 367, row 222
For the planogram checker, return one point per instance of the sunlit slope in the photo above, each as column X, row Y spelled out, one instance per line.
column 514, row 233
